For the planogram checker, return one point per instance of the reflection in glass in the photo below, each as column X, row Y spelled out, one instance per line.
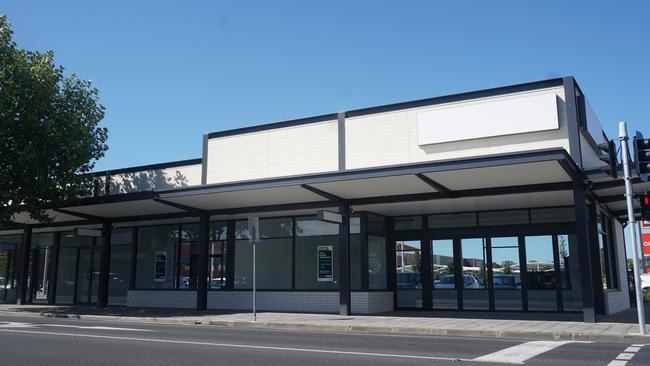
column 442, row 274
column 570, row 272
column 541, row 279
column 506, row 274
column 120, row 269
column 408, row 274
column 475, row 294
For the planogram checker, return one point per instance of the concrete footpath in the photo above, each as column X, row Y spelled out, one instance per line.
column 621, row 327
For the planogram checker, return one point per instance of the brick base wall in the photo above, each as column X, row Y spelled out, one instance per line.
column 162, row 299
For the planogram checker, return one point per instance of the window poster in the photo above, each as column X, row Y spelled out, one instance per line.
column 325, row 263
column 160, row 266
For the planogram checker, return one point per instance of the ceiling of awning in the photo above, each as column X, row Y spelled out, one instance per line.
column 24, row 217
column 611, row 193
column 486, row 203
column 502, row 176
column 246, row 198
column 121, row 209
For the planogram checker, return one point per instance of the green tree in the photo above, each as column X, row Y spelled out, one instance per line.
column 49, row 133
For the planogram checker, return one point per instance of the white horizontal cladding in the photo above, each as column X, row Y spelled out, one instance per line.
column 303, row 149
column 393, row 137
column 156, row 179
column 490, row 118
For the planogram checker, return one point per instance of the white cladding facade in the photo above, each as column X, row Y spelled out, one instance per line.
column 515, row 122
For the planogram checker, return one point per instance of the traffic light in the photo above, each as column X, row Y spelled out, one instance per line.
column 645, row 207
column 608, row 155
column 642, row 156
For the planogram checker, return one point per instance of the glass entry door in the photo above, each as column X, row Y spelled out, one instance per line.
column 88, row 276
column 408, row 272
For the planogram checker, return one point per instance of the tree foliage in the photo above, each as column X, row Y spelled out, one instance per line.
column 49, row 133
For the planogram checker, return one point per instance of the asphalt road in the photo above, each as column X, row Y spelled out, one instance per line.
column 50, row 341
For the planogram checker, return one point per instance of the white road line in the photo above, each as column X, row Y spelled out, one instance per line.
column 96, row 327
column 625, row 356
column 245, row 346
column 520, row 353
column 617, row 363
column 632, row 349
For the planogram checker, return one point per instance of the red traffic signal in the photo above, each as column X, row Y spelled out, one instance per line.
column 645, row 207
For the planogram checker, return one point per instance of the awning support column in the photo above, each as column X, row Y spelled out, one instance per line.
column 582, row 236
column 202, row 268
column 21, row 296
column 344, row 262
column 105, row 264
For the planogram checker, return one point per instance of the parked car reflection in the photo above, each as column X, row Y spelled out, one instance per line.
column 409, row 280
column 509, row 281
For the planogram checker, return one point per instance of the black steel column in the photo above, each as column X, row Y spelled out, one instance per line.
column 25, row 250
column 594, row 253
column 582, row 236
column 105, row 265
column 133, row 260
column 34, row 255
column 523, row 271
column 344, row 262
column 54, row 269
column 202, row 270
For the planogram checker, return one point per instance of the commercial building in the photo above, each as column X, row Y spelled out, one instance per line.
column 492, row 200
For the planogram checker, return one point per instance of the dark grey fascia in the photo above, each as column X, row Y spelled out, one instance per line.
column 484, row 93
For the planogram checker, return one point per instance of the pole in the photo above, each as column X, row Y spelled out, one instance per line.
column 629, row 195
column 254, row 289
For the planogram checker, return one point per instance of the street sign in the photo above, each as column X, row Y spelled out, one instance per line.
column 254, row 230
column 329, row 216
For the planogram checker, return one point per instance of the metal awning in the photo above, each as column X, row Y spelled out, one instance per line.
column 528, row 179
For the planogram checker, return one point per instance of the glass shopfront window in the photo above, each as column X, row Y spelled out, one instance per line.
column 570, row 273
column 315, row 239
column 442, row 274
column 217, row 255
column 9, row 261
column 541, row 277
column 273, row 255
column 377, row 265
column 506, row 274
column 408, row 274
column 120, row 269
column 157, row 257
column 40, row 264
column 475, row 293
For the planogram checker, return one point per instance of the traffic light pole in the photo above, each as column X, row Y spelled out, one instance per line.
column 629, row 195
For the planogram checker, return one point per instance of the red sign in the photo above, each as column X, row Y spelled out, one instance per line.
column 645, row 243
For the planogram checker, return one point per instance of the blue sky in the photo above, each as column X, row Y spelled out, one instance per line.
column 170, row 71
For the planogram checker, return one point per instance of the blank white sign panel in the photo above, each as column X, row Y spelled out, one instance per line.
column 488, row 119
